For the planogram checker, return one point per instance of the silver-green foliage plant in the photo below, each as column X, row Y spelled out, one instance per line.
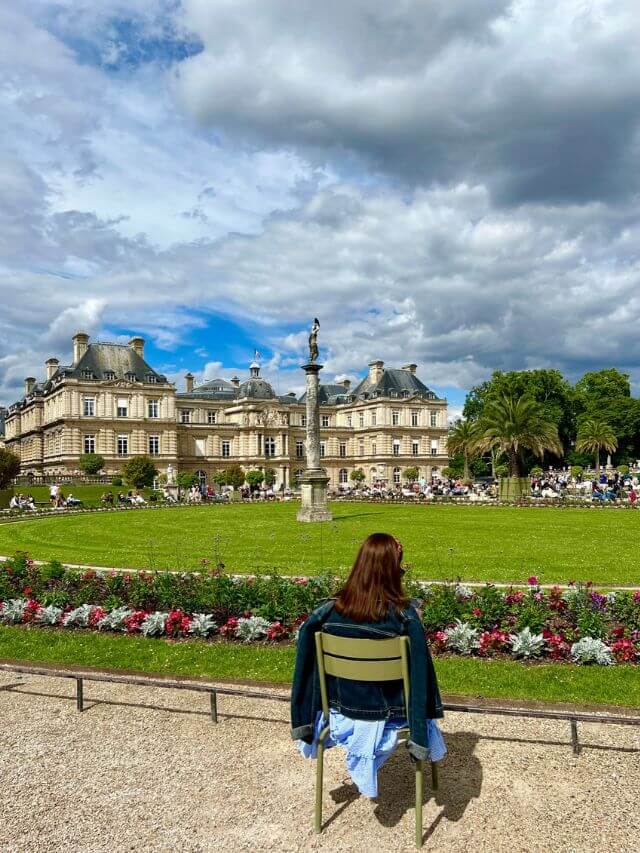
column 79, row 616
column 526, row 644
column 252, row 628
column 154, row 624
column 463, row 592
column 48, row 615
column 115, row 621
column 13, row 610
column 462, row 638
column 202, row 625
column 591, row 650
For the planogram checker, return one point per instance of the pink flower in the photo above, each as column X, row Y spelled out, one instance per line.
column 301, row 581
column 532, row 581
column 636, row 596
column 476, row 611
column 538, row 596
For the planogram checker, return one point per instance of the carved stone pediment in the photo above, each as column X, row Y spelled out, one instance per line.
column 119, row 383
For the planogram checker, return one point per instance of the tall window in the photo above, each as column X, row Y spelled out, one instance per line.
column 396, row 447
column 415, row 448
column 361, row 419
column 343, row 476
column 299, row 449
column 226, row 448
column 374, row 417
column 395, row 417
column 325, row 420
column 414, row 418
column 154, row 445
column 153, row 409
column 185, row 416
column 433, row 419
column 89, row 444
column 322, row 449
column 122, row 445
column 303, row 420
column 269, row 446
column 374, row 448
column 361, row 448
column 123, row 407
column 434, row 446
column 88, row 406
column 211, row 416
column 396, row 475
column 342, row 448
column 349, row 420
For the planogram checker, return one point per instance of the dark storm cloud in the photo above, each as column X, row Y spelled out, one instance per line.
column 539, row 101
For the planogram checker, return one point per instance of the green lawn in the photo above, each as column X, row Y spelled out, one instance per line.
column 474, row 543
column 616, row 685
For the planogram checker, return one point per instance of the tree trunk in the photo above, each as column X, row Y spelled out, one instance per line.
column 598, row 462
column 465, row 474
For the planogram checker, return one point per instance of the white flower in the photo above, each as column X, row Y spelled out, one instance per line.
column 524, row 644
column 252, row 628
column 114, row 621
column 48, row 615
column 79, row 616
column 13, row 610
column 591, row 650
column 462, row 637
column 202, row 625
column 463, row 591
column 154, row 624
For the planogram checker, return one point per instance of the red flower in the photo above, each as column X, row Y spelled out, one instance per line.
column 492, row 641
column 476, row 611
column 557, row 646
column 636, row 596
column 229, row 627
column 277, row 631
column 532, row 581
column 97, row 613
column 31, row 610
column 301, row 581
column 624, row 651
column 27, row 591
column 132, row 623
column 177, row 623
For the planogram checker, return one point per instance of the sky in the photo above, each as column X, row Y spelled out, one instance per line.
column 451, row 183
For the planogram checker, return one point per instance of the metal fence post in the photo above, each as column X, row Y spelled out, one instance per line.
column 79, row 695
column 214, row 706
column 574, row 737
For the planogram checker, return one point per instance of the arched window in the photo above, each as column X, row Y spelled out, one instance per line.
column 343, row 476
column 396, row 475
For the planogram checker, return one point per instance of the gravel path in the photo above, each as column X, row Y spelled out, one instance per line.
column 145, row 769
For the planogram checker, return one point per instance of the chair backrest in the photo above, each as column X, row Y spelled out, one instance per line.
column 362, row 660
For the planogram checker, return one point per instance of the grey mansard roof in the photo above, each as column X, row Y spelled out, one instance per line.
column 393, row 383
column 112, row 361
column 330, row 394
column 213, row 389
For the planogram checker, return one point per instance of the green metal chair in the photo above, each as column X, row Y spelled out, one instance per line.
column 365, row 660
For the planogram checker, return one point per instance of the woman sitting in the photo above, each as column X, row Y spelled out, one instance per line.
column 365, row 716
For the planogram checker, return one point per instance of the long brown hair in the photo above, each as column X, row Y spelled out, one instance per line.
column 375, row 581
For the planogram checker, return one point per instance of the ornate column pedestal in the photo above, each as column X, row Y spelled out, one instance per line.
column 314, row 480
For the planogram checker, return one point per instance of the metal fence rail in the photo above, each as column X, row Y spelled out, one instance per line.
column 214, row 690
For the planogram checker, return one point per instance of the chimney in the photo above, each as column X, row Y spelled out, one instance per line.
column 346, row 384
column 29, row 384
column 137, row 345
column 51, row 365
column 80, row 345
column 188, row 382
column 410, row 367
column 235, row 381
column 376, row 369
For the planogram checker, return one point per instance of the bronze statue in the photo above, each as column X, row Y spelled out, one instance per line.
column 313, row 341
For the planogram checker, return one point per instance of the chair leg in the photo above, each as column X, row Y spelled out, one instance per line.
column 419, row 781
column 319, row 771
column 434, row 775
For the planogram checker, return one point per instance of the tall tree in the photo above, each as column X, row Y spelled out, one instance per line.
column 515, row 425
column 463, row 438
column 594, row 436
column 605, row 396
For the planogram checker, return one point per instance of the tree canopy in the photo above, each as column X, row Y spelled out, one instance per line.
column 140, row 471
column 9, row 467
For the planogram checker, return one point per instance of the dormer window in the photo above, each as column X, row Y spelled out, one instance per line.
column 87, row 374
column 150, row 377
column 109, row 375
column 131, row 377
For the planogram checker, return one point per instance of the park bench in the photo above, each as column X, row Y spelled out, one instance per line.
column 215, row 689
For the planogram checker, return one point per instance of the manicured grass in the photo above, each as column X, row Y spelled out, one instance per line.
column 90, row 494
column 616, row 685
column 473, row 543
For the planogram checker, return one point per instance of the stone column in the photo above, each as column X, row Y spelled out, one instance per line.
column 313, row 482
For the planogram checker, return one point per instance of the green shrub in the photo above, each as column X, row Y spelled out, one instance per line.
column 9, row 467
column 442, row 607
column 116, row 481
column 576, row 471
column 536, row 471
column 623, row 469
column 91, row 464
column 52, row 571
column 140, row 471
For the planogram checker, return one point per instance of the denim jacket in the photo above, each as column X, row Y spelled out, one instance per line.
column 363, row 700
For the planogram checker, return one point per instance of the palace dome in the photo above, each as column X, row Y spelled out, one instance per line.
column 256, row 389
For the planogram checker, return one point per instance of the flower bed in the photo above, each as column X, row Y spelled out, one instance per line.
column 577, row 624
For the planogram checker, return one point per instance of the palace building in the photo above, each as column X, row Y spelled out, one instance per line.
column 110, row 401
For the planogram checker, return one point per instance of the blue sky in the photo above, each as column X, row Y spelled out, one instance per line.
column 448, row 183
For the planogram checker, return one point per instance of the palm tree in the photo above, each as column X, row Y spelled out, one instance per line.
column 515, row 424
column 463, row 438
column 594, row 436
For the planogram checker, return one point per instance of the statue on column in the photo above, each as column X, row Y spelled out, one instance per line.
column 313, row 341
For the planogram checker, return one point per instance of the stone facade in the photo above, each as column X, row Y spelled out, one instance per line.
column 110, row 401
